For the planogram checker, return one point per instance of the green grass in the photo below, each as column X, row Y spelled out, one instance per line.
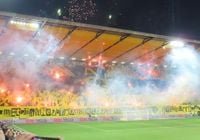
column 180, row 129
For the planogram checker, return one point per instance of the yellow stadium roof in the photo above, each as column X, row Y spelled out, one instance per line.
column 83, row 41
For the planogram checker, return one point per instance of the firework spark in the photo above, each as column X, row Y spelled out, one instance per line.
column 80, row 10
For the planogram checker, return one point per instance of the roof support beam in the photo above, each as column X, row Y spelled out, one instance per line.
column 5, row 25
column 117, row 42
column 198, row 48
column 142, row 43
column 160, row 57
column 96, row 36
column 56, row 46
column 36, row 32
column 164, row 44
column 66, row 36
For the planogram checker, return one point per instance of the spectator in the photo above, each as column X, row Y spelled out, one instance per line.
column 7, row 133
column 23, row 136
column 2, row 137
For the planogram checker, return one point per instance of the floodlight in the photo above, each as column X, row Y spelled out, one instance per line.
column 35, row 25
column 177, row 43
column 73, row 58
column 83, row 59
column 12, row 53
column 62, row 57
column 104, row 61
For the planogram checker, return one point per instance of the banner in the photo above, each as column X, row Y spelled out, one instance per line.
column 52, row 112
column 43, row 112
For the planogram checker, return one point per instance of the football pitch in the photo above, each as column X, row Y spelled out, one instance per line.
column 177, row 129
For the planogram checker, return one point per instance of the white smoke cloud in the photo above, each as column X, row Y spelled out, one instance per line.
column 24, row 62
column 181, row 79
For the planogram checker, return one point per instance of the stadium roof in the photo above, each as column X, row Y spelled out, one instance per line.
column 83, row 41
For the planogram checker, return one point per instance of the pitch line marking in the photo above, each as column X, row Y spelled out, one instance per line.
column 19, row 128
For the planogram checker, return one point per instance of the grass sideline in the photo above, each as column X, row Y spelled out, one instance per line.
column 177, row 129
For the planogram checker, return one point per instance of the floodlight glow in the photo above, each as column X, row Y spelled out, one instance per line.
column 35, row 25
column 94, row 60
column 184, row 54
column 83, row 59
column 12, row 21
column 51, row 57
column 62, row 57
column 114, row 62
column 12, row 53
column 177, row 43
column 132, row 63
column 28, row 24
column 123, row 62
column 73, row 58
column 0, row 52
column 104, row 61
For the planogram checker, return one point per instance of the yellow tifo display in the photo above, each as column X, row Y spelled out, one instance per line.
column 53, row 112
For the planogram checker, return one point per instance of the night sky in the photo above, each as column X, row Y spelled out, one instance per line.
column 167, row 17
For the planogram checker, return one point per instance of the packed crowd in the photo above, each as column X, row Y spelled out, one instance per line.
column 66, row 99
column 9, row 133
column 45, row 98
